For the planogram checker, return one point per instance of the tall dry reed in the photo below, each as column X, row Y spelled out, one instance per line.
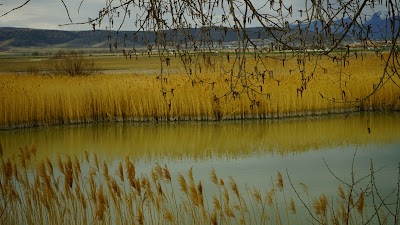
column 33, row 100
column 82, row 191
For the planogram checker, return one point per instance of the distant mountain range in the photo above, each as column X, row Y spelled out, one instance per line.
column 24, row 37
column 379, row 26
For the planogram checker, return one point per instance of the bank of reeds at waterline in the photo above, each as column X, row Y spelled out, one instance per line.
column 34, row 100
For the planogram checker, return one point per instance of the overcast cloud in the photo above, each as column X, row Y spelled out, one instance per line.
column 49, row 14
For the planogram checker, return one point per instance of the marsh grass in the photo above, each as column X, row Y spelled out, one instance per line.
column 34, row 100
column 88, row 190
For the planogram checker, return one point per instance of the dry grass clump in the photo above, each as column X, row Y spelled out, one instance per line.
column 86, row 191
column 33, row 100
column 73, row 63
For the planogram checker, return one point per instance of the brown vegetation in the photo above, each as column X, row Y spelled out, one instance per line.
column 88, row 191
column 33, row 100
column 73, row 63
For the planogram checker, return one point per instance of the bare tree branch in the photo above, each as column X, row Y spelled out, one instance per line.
column 16, row 8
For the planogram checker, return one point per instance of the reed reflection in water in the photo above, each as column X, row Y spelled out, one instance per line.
column 251, row 152
column 199, row 140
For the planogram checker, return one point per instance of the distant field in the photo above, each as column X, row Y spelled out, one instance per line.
column 22, row 61
column 105, row 63
column 124, row 91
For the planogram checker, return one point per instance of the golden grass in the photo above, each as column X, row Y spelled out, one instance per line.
column 32, row 100
column 80, row 191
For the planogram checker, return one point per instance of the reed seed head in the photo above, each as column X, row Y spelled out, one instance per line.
column 77, row 166
column 292, row 206
column 167, row 175
column 193, row 194
column 226, row 196
column 182, row 183
column 101, row 204
column 279, row 181
column 343, row 214
column 360, row 203
column 213, row 176
column 96, row 161
column 257, row 195
column 200, row 188
column 270, row 197
column 320, row 205
column 131, row 173
column 50, row 167
column 105, row 171
column 68, row 173
column 351, row 200
column 234, row 187
column 228, row 211
column 115, row 187
column 221, row 182
column 341, row 192
column 7, row 170
column 217, row 205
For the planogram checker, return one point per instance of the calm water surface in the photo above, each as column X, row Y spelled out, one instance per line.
column 252, row 151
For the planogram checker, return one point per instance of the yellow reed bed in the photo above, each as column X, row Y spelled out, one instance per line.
column 30, row 100
column 87, row 190
column 72, row 190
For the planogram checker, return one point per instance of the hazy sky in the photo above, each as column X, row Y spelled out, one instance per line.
column 49, row 14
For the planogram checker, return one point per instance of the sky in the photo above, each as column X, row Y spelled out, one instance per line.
column 49, row 14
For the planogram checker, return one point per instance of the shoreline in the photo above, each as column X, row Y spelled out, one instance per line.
column 170, row 120
column 35, row 100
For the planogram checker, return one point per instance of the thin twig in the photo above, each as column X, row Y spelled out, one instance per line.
column 298, row 196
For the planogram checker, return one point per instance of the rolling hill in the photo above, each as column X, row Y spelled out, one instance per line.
column 11, row 37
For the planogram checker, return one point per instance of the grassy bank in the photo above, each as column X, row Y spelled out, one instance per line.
column 32, row 100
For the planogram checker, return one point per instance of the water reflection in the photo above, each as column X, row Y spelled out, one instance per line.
column 250, row 151
column 199, row 140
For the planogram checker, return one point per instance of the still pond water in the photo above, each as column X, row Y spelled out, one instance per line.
column 251, row 151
